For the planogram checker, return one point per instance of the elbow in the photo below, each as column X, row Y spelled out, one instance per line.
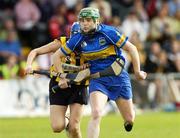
column 34, row 52
column 134, row 48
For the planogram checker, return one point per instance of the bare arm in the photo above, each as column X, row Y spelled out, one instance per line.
column 48, row 48
column 58, row 67
column 132, row 50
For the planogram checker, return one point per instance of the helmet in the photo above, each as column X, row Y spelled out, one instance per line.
column 75, row 28
column 89, row 12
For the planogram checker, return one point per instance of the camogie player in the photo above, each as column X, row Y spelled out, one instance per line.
column 74, row 97
column 101, row 45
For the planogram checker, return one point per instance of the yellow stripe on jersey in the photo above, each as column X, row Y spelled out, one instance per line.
column 121, row 40
column 63, row 40
column 63, row 43
column 68, row 51
column 100, row 54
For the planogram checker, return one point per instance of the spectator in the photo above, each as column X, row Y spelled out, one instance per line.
column 151, row 8
column 72, row 15
column 173, row 5
column 157, row 62
column 165, row 66
column 41, row 28
column 174, row 56
column 71, row 3
column 46, row 9
column 10, row 69
column 104, row 8
column 116, row 21
column 152, row 60
column 121, row 7
column 9, row 43
column 132, row 24
column 161, row 24
column 79, row 5
column 27, row 15
column 57, row 24
column 142, row 14
column 55, row 3
column 176, row 24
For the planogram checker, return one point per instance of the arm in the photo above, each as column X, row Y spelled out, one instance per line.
column 48, row 48
column 132, row 50
column 63, row 83
column 56, row 59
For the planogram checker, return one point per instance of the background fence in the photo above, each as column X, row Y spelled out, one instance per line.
column 29, row 96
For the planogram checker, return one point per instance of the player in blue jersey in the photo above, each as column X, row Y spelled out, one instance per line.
column 74, row 97
column 101, row 45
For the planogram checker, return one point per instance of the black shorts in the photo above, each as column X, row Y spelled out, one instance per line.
column 70, row 95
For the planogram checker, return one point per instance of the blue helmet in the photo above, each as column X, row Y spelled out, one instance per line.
column 75, row 28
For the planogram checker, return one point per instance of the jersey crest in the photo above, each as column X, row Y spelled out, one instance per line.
column 102, row 41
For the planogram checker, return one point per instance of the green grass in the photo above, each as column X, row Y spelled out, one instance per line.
column 149, row 125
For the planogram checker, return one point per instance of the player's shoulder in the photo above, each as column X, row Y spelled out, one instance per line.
column 106, row 29
column 75, row 38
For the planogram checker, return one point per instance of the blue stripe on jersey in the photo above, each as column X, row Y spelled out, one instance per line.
column 64, row 52
column 124, row 42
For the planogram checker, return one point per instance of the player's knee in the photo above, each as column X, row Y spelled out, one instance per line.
column 74, row 128
column 96, row 114
column 57, row 128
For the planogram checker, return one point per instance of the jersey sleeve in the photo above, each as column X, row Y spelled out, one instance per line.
column 116, row 38
column 71, row 44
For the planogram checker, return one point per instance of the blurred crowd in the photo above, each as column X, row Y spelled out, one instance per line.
column 152, row 25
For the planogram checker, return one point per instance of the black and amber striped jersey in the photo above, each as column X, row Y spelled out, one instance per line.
column 73, row 58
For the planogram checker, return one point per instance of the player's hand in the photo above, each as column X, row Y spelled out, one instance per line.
column 63, row 83
column 84, row 66
column 28, row 70
column 141, row 75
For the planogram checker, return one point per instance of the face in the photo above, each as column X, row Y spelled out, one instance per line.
column 87, row 24
column 155, row 48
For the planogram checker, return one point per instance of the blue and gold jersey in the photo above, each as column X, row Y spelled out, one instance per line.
column 100, row 49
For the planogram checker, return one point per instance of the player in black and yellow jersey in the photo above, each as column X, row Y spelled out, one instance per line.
column 74, row 97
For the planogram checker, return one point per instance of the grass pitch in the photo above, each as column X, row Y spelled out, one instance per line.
column 149, row 125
